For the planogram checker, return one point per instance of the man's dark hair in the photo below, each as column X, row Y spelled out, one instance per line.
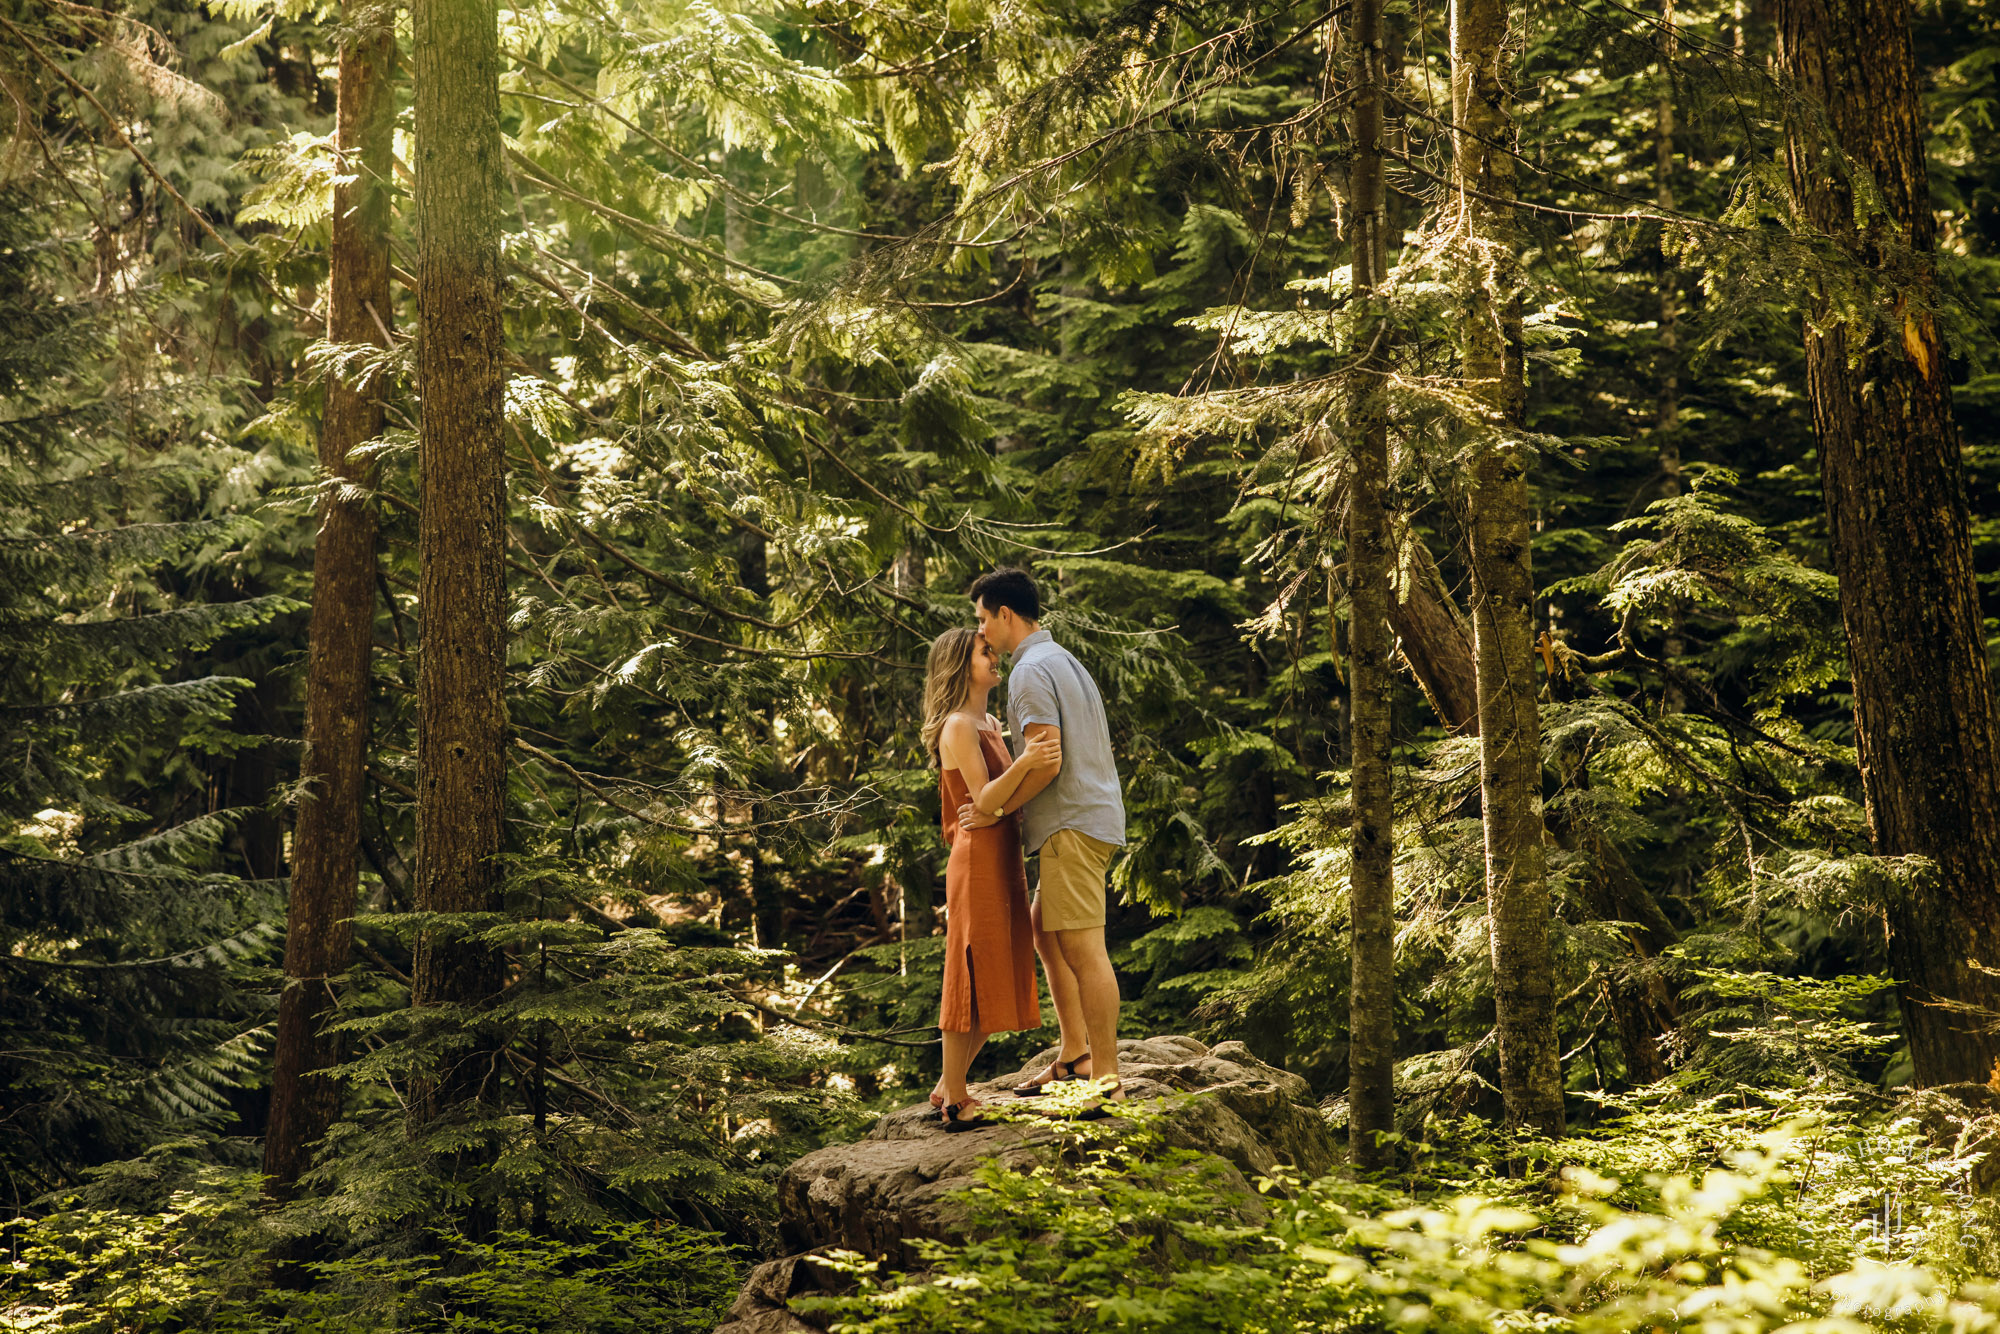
column 1010, row 588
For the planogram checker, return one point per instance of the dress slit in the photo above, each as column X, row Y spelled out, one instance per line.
column 972, row 992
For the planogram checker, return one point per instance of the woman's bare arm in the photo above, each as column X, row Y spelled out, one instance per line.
column 960, row 749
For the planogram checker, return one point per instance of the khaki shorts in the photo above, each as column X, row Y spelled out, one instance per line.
column 1071, row 891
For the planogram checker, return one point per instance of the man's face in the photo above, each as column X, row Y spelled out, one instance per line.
column 998, row 628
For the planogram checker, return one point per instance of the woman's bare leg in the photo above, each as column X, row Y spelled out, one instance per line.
column 960, row 1048
column 940, row 1093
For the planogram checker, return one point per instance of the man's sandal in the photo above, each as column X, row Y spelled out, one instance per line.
column 1101, row 1110
column 1061, row 1072
column 956, row 1122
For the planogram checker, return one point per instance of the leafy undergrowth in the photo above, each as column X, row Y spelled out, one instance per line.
column 1786, row 1210
column 200, row 1264
column 1803, row 1210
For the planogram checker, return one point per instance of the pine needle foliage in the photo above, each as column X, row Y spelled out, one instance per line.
column 132, row 956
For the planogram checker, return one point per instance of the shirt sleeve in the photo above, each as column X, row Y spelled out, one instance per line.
column 1031, row 699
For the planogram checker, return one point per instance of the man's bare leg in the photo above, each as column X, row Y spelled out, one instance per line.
column 1063, row 991
column 1097, row 987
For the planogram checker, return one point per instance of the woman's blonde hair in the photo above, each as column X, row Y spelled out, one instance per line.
column 946, row 677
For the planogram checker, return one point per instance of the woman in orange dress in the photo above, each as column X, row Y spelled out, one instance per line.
column 989, row 968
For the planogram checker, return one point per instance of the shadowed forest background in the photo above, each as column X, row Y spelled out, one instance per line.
column 1577, row 474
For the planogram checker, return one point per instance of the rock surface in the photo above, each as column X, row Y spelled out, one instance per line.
column 882, row 1192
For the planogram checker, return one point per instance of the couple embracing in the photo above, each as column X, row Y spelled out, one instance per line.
column 1055, row 796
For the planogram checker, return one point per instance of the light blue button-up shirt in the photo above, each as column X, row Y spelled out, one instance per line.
column 1047, row 684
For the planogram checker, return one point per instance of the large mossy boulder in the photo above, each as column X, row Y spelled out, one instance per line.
column 885, row 1191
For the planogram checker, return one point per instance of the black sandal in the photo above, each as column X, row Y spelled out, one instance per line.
column 955, row 1121
column 1101, row 1110
column 1065, row 1071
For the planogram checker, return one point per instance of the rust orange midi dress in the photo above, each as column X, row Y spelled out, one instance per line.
column 989, row 943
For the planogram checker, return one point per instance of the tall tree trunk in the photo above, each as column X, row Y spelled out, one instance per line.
column 1896, row 504
column 916, row 873
column 327, row 836
column 1667, row 402
column 461, row 710
column 1510, row 772
column 1371, row 1062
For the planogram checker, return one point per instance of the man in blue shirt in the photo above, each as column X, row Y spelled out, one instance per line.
column 1072, row 816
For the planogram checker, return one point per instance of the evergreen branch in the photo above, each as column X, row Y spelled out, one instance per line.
column 34, row 49
column 674, row 585
column 586, row 781
column 1627, row 652
column 713, row 177
column 1119, row 132
column 71, row 560
column 1020, row 277
column 978, row 525
column 179, row 876
column 639, row 227
column 228, row 251
column 1636, row 215
column 681, row 342
column 1653, row 212
column 877, row 492
column 592, row 781
column 259, row 933
column 913, row 67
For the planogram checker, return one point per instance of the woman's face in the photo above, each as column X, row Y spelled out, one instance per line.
column 985, row 665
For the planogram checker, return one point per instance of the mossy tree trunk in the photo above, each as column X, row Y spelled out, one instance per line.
column 1371, row 876
column 326, row 838
column 1896, row 505
column 1502, row 577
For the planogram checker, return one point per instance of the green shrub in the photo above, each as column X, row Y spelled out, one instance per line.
column 198, row 1265
column 627, row 1278
column 1779, row 1230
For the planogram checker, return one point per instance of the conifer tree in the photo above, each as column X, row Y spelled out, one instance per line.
column 461, row 708
column 1502, row 578
column 128, row 955
column 326, row 837
column 1894, row 484
column 1371, row 880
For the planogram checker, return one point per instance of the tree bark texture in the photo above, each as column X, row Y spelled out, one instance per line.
column 1667, row 403
column 1371, row 1093
column 461, row 709
column 1436, row 645
column 326, row 838
column 1502, row 578
column 1896, row 504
